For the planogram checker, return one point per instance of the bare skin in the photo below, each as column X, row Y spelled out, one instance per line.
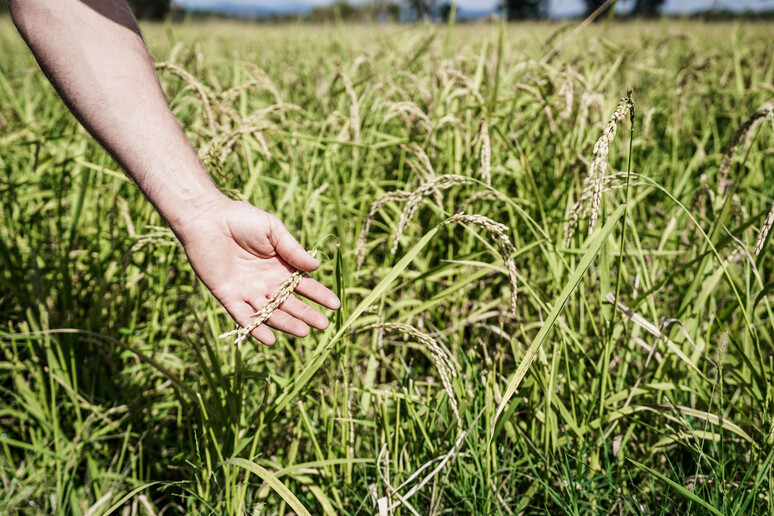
column 94, row 55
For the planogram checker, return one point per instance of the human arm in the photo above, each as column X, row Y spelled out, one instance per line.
column 94, row 55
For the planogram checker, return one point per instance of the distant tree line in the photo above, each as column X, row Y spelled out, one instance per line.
column 530, row 9
column 390, row 10
column 377, row 10
column 396, row 10
column 641, row 7
column 525, row 9
column 150, row 9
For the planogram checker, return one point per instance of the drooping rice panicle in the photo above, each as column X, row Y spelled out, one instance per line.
column 413, row 202
column 503, row 243
column 741, row 140
column 445, row 363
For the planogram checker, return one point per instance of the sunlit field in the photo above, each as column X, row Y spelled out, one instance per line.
column 552, row 300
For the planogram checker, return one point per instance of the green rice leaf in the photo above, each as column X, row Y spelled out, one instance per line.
column 271, row 479
column 681, row 490
column 556, row 309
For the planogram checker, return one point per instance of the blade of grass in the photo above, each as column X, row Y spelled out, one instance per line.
column 558, row 306
column 682, row 491
column 271, row 479
column 323, row 350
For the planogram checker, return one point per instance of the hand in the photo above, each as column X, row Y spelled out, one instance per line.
column 243, row 254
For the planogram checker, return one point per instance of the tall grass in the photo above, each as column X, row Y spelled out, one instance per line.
column 630, row 372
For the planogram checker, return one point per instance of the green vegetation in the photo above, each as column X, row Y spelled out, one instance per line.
column 116, row 393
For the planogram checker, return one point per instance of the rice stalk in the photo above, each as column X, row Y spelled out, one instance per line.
column 385, row 501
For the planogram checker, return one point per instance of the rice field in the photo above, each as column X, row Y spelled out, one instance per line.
column 556, row 293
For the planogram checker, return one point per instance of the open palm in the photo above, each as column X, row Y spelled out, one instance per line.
column 243, row 254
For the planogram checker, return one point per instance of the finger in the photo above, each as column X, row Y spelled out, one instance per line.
column 242, row 313
column 315, row 291
column 289, row 249
column 300, row 310
column 282, row 321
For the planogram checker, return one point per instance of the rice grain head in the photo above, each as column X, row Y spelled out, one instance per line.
column 259, row 317
column 567, row 92
column 354, row 108
column 582, row 207
column 741, row 140
column 424, row 170
column 764, row 231
column 220, row 146
column 595, row 179
column 398, row 195
column 200, row 90
column 482, row 195
column 408, row 110
column 422, row 156
column 438, row 184
column 465, row 81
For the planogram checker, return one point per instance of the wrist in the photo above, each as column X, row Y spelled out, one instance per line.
column 186, row 213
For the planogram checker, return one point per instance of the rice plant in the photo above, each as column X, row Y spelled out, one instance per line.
column 487, row 358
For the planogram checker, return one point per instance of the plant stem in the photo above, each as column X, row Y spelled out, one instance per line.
column 619, row 269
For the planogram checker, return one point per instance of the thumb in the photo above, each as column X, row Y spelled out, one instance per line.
column 289, row 249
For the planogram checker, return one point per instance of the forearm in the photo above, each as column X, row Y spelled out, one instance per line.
column 93, row 54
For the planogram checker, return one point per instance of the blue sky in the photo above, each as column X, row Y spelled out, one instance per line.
column 557, row 8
